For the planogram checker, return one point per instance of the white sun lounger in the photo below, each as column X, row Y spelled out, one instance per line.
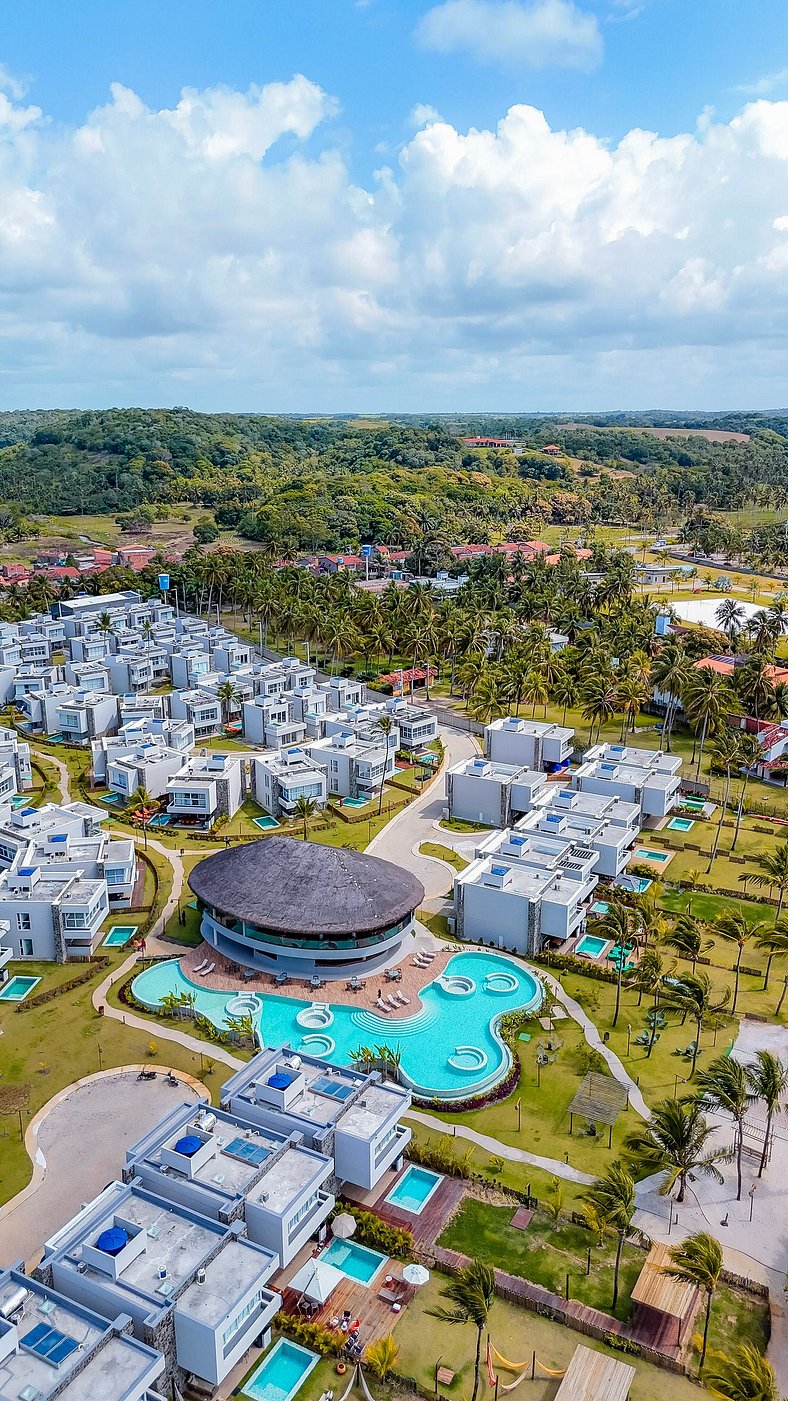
column 201, row 966
column 205, row 971
column 402, row 999
column 392, row 1001
column 384, row 1007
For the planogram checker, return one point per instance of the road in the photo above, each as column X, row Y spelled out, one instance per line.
column 400, row 839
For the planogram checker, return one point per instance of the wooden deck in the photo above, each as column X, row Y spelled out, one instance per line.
column 428, row 1225
column 377, row 1317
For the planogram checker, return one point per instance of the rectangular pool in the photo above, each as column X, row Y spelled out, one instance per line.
column 17, row 989
column 591, row 946
column 358, row 1262
column 266, row 824
column 281, row 1373
column 120, row 934
column 414, row 1189
column 600, row 907
column 681, row 824
column 355, row 802
column 160, row 819
column 648, row 855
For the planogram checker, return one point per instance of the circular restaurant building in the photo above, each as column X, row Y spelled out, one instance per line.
column 286, row 906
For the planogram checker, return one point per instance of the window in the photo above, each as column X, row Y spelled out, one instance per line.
column 303, row 1211
column 23, row 921
column 25, row 948
column 240, row 1318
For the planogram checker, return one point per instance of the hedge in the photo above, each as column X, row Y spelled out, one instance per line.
column 91, row 968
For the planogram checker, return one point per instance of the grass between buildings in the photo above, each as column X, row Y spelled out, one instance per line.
column 443, row 853
column 52, row 1046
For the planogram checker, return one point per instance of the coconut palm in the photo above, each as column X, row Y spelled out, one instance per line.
column 385, row 724
column 303, row 809
column 774, row 942
column 470, row 1294
column 726, row 755
column 698, row 1261
column 382, row 1356
column 707, row 699
column 675, row 1142
column 105, row 626
column 744, row 1376
column 725, row 1086
column 671, row 673
column 750, row 753
column 564, row 692
column 686, row 938
column 598, row 704
column 612, row 1198
column 773, row 872
column 768, row 1079
column 227, row 696
column 730, row 617
column 694, row 995
column 736, row 929
column 615, row 925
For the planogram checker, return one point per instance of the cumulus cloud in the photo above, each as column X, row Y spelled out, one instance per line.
column 218, row 252
column 534, row 33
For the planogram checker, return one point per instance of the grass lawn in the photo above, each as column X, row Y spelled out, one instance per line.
column 455, row 824
column 50, row 1047
column 437, row 924
column 188, row 933
column 443, row 853
column 425, row 1341
column 545, row 1253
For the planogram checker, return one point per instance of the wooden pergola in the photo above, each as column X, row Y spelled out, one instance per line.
column 591, row 1376
column 657, row 1297
column 599, row 1100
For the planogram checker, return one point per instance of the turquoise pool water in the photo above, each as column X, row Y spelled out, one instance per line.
column 161, row 819
column 591, row 945
column 266, row 824
column 600, row 907
column 281, row 1372
column 110, row 798
column 17, row 989
column 358, row 1262
column 649, row 855
column 426, row 1040
column 120, row 934
column 21, row 800
column 355, row 802
column 639, row 884
column 681, row 824
column 414, row 1189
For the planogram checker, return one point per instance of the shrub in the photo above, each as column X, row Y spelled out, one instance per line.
column 382, row 1356
column 310, row 1335
column 379, row 1235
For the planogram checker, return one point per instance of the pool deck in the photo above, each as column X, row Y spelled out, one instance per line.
column 226, row 977
column 429, row 1223
column 377, row 1316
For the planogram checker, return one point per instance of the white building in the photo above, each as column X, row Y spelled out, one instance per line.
column 206, row 787
column 201, row 709
column 643, row 776
column 531, row 889
column 494, row 794
column 529, row 744
column 354, row 768
column 80, row 716
column 52, row 917
column 608, row 825
column 281, row 777
column 267, row 722
column 15, row 754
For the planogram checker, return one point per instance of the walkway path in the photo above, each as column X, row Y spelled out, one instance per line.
column 62, row 774
column 502, row 1150
column 400, row 839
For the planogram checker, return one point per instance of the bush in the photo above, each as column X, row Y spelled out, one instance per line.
column 310, row 1335
column 378, row 1235
column 92, row 967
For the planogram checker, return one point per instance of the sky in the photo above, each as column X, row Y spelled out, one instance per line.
column 326, row 206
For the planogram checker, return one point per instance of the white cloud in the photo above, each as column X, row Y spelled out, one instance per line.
column 218, row 252
column 422, row 114
column 766, row 85
column 11, row 83
column 534, row 33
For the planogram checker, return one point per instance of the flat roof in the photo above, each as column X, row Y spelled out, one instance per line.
column 175, row 1242
column 117, row 1368
column 286, row 1177
column 655, row 1289
column 228, row 1276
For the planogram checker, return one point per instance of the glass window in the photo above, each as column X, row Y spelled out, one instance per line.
column 23, row 921
column 240, row 1318
column 26, row 948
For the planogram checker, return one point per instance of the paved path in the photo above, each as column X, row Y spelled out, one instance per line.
column 400, row 839
column 503, row 1150
column 74, row 1155
column 62, row 773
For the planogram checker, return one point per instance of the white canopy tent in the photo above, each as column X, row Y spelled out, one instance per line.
column 316, row 1280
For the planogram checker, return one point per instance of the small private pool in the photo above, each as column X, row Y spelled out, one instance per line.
column 120, row 934
column 110, row 798
column 281, row 1373
column 646, row 853
column 600, row 907
column 266, row 824
column 591, row 946
column 355, row 802
column 681, row 824
column 160, row 819
column 17, row 989
column 414, row 1189
column 358, row 1262
column 638, row 884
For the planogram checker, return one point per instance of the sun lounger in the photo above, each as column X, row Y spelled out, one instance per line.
column 201, row 966
column 382, row 1005
column 205, row 971
column 392, row 1001
column 402, row 999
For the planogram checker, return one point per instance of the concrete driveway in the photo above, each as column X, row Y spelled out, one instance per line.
column 82, row 1141
column 400, row 839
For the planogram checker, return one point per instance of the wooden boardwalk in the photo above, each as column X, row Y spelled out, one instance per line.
column 377, row 1317
column 428, row 1225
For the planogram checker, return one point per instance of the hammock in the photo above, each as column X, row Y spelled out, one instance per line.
column 490, row 1373
column 504, row 1362
column 551, row 1371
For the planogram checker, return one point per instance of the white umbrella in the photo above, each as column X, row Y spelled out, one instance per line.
column 415, row 1274
column 316, row 1280
column 343, row 1226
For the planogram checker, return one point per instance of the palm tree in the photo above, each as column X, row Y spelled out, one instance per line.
column 670, row 674
column 616, row 926
column 105, row 626
column 685, row 937
column 612, row 1199
column 141, row 802
column 693, row 994
column 726, row 754
column 725, row 1086
column 382, row 1356
column 227, row 695
column 486, row 697
column 749, row 754
column 773, row 873
column 729, row 617
column 744, row 1376
column 733, row 926
column 698, row 1261
column 470, row 1293
column 649, row 979
column 303, row 809
column 564, row 692
column 768, row 1079
column 675, row 1142
column 598, row 704
column 385, row 724
column 775, row 943
column 707, row 700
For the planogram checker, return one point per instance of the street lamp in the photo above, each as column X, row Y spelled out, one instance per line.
column 752, row 1197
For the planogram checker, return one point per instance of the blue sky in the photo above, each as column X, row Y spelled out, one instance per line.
column 394, row 204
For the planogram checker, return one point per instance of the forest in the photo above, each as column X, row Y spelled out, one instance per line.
column 334, row 483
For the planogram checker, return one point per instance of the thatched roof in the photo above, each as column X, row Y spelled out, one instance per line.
column 302, row 888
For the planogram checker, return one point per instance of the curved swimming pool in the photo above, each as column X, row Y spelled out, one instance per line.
column 427, row 1041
